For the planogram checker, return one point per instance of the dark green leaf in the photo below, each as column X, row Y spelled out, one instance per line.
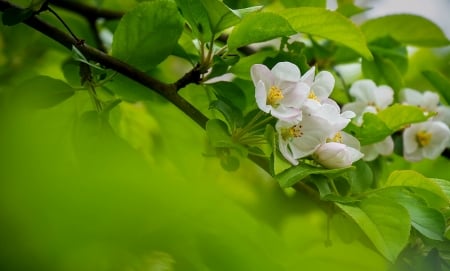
column 361, row 178
column 231, row 113
column 147, row 34
column 42, row 92
column 13, row 16
column 405, row 28
column 218, row 133
column 340, row 29
column 386, row 224
column 230, row 93
column 440, row 82
column 258, row 27
column 304, row 3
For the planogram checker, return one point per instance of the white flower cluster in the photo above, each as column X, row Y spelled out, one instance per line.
column 422, row 140
column 309, row 122
column 430, row 138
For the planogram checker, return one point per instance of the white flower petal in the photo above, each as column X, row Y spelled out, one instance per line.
column 443, row 114
column 261, row 97
column 286, row 71
column 323, row 85
column 384, row 96
column 385, row 147
column 363, row 90
column 308, row 77
column 283, row 147
column 260, row 72
column 336, row 155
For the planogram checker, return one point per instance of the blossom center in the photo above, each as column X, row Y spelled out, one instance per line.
column 274, row 96
column 293, row 131
column 423, row 138
column 313, row 96
column 336, row 138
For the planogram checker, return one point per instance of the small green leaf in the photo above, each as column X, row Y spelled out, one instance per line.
column 445, row 186
column 258, row 27
column 220, row 15
column 245, row 11
column 372, row 130
column 231, row 113
column 295, row 174
column 42, row 92
column 386, row 224
column 218, row 133
column 230, row 93
column 440, row 82
column 304, row 3
column 329, row 25
column 397, row 116
column 360, row 179
column 13, row 16
column 147, row 34
column 405, row 28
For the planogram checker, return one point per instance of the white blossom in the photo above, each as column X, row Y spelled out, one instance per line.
column 340, row 151
column 279, row 91
column 425, row 140
column 384, row 147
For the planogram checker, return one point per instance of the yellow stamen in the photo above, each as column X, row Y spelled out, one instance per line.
column 423, row 138
column 313, row 96
column 275, row 96
column 336, row 138
column 294, row 131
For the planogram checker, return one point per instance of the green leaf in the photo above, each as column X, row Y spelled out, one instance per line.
column 218, row 133
column 414, row 180
column 13, row 16
column 405, row 28
column 397, row 116
column 304, row 3
column 440, row 82
column 147, row 34
column 428, row 221
column 42, row 92
column 230, row 93
column 371, row 131
column 231, row 113
column 258, row 27
column 329, row 25
column 360, row 179
column 295, row 174
column 386, row 224
column 444, row 184
column 207, row 17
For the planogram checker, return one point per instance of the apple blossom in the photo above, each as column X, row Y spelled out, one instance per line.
column 279, row 91
column 425, row 140
column 384, row 147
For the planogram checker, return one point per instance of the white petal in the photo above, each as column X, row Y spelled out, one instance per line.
column 385, row 147
column 308, row 77
column 350, row 140
column 358, row 107
column 410, row 144
column 283, row 146
column 384, row 96
column 286, row 71
column 370, row 152
column 430, row 101
column 323, row 84
column 286, row 113
column 363, row 90
column 411, row 96
column 443, row 114
column 297, row 97
column 260, row 72
column 261, row 97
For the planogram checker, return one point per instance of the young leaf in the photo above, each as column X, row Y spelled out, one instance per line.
column 293, row 175
column 440, row 82
column 310, row 20
column 414, row 180
column 372, row 130
column 42, row 92
column 147, row 34
column 386, row 224
column 428, row 221
column 405, row 28
column 304, row 3
column 397, row 116
column 258, row 27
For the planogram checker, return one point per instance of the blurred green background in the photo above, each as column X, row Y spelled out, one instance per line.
column 135, row 191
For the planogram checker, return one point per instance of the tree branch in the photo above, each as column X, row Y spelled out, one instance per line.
column 168, row 91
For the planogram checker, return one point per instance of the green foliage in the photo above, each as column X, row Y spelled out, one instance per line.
column 101, row 169
column 405, row 28
column 147, row 35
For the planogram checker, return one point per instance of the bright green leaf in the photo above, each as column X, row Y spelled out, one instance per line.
column 329, row 25
column 218, row 133
column 414, row 180
column 440, row 82
column 231, row 113
column 386, row 224
column 304, row 3
column 397, row 116
column 220, row 16
column 295, row 174
column 405, row 28
column 445, row 186
column 428, row 221
column 361, row 178
column 147, row 34
column 258, row 27
column 42, row 92
column 372, row 130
